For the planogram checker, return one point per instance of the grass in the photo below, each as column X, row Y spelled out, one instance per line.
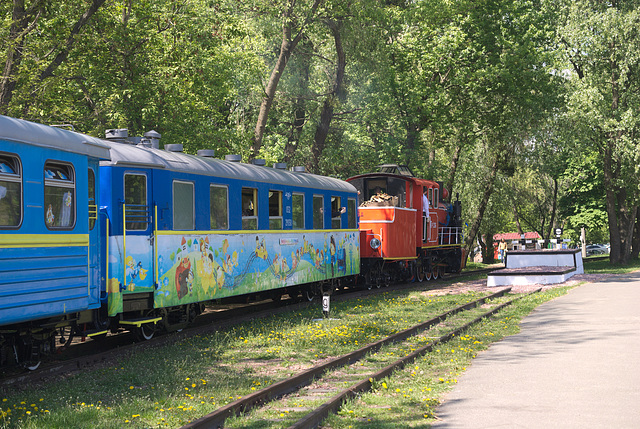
column 172, row 385
column 602, row 266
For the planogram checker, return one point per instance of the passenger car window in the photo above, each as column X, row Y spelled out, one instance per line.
column 10, row 192
column 218, row 213
column 297, row 206
column 249, row 208
column 351, row 213
column 135, row 199
column 318, row 216
column 336, row 213
column 275, row 210
column 183, row 206
column 59, row 196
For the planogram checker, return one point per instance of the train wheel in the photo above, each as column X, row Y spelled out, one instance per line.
column 145, row 331
column 427, row 275
column 411, row 272
column 368, row 280
column 435, row 273
column 32, row 366
column 419, row 272
column 308, row 294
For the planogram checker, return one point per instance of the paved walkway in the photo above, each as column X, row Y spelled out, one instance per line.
column 575, row 364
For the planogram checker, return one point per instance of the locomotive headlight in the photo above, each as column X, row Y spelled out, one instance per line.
column 374, row 243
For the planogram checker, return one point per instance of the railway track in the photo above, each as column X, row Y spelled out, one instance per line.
column 350, row 369
column 87, row 354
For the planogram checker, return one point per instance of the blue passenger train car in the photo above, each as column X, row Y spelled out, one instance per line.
column 99, row 234
column 49, row 237
column 186, row 229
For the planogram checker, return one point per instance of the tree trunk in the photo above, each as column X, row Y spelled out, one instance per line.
column 20, row 27
column 299, row 113
column 453, row 166
column 286, row 49
column 620, row 214
column 547, row 235
column 322, row 130
column 635, row 241
column 488, row 190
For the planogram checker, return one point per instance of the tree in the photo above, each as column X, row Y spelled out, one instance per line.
column 61, row 42
column 296, row 17
column 602, row 46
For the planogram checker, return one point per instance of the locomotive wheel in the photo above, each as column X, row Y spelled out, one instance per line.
column 419, row 273
column 435, row 273
column 427, row 275
column 411, row 272
column 368, row 280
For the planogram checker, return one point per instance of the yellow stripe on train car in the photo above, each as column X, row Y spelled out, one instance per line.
column 43, row 240
column 254, row 231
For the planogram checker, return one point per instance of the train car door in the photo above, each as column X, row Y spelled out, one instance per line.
column 138, row 233
column 94, row 239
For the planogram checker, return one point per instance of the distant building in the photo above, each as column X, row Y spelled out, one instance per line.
column 514, row 240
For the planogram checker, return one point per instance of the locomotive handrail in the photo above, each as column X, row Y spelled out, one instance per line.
column 449, row 232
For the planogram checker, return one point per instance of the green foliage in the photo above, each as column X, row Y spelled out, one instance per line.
column 530, row 84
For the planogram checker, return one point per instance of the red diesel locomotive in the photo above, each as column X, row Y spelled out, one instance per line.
column 408, row 230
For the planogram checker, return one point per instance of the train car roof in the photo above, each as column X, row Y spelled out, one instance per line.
column 22, row 131
column 138, row 156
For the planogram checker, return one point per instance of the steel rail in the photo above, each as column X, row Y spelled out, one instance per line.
column 216, row 418
column 314, row 418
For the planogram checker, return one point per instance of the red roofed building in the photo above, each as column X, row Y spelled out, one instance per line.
column 510, row 237
column 515, row 236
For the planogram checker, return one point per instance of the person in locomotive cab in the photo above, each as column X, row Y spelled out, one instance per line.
column 425, row 212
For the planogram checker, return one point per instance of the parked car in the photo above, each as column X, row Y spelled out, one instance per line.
column 597, row 249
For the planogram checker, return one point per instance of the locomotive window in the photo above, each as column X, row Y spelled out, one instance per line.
column 318, row 217
column 59, row 196
column 249, row 208
column 135, row 198
column 275, row 210
column 10, row 192
column 375, row 187
column 93, row 208
column 218, row 207
column 336, row 213
column 351, row 213
column 430, row 196
column 297, row 203
column 183, row 206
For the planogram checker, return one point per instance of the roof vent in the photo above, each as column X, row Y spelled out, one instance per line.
column 206, row 153
column 260, row 162
column 145, row 142
column 299, row 169
column 154, row 138
column 116, row 134
column 280, row 165
column 233, row 158
column 176, row 147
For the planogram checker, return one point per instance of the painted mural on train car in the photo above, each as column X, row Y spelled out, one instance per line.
column 200, row 267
